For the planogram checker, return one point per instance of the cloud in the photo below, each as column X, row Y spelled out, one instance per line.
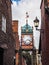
column 19, row 13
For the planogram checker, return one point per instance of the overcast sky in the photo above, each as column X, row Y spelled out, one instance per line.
column 19, row 9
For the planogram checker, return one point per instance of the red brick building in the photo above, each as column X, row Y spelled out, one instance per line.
column 16, row 37
column 6, row 36
column 45, row 34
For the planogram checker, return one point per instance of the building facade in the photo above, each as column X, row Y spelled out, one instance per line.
column 16, row 37
column 6, row 36
column 38, row 57
column 45, row 35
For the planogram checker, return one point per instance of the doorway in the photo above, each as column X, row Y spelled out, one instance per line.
column 1, row 56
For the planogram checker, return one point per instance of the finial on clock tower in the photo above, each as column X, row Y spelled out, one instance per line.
column 27, row 16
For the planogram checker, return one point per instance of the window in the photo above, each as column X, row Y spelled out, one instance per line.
column 3, row 23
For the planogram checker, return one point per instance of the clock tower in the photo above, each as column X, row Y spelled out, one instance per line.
column 28, row 51
column 27, row 42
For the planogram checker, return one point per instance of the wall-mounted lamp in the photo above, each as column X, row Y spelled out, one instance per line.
column 36, row 24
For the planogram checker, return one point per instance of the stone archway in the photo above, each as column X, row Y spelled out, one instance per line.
column 27, row 57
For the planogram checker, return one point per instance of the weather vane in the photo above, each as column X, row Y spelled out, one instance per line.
column 27, row 16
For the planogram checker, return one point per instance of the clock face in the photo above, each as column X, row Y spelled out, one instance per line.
column 27, row 39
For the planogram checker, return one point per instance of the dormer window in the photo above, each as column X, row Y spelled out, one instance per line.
column 3, row 24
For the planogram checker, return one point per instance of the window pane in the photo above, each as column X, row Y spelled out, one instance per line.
column 3, row 23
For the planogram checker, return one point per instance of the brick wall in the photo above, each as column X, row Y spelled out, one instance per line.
column 16, row 37
column 6, row 39
column 45, row 35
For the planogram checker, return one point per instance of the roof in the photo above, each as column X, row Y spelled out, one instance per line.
column 26, row 29
column 41, row 4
